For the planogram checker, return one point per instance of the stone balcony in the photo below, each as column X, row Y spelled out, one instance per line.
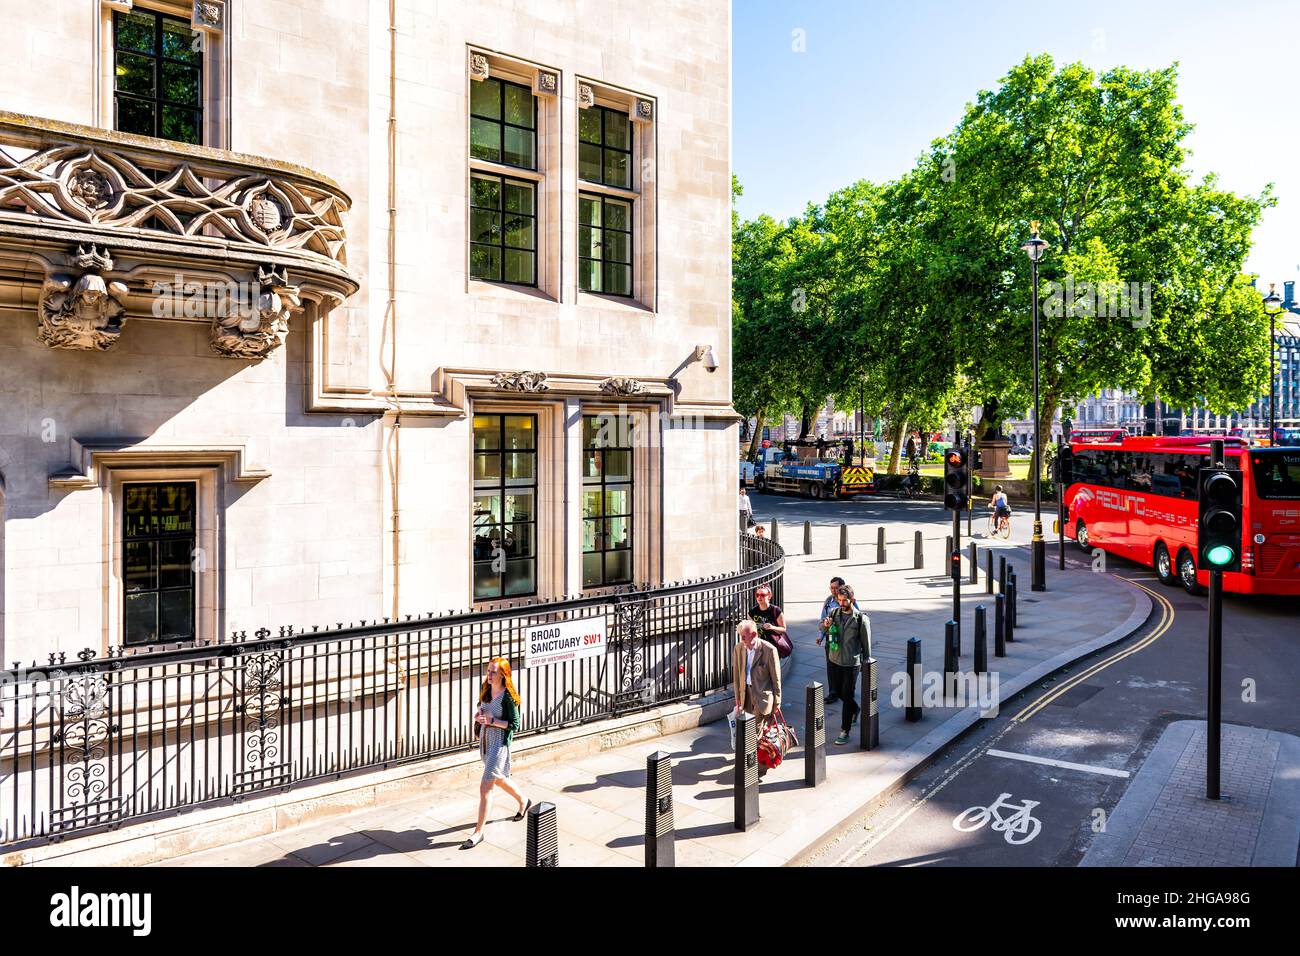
column 99, row 228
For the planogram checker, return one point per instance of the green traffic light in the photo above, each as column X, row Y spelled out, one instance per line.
column 1219, row 555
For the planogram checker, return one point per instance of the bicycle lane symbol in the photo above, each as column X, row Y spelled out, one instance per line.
column 1019, row 828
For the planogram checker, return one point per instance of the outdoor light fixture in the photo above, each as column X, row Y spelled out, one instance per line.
column 1035, row 248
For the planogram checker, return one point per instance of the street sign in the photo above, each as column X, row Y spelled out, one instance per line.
column 564, row 641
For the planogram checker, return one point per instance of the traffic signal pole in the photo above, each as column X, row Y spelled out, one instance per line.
column 1218, row 547
column 1214, row 702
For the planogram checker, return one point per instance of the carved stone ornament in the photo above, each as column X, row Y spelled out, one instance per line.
column 520, row 381
column 586, row 96
column 547, row 83
column 478, row 66
column 621, row 386
column 208, row 15
column 255, row 330
column 266, row 212
column 91, row 188
column 643, row 111
column 83, row 311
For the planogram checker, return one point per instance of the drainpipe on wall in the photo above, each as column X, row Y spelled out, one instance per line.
column 393, row 445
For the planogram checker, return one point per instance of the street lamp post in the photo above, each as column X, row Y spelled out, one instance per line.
column 1273, row 306
column 1035, row 248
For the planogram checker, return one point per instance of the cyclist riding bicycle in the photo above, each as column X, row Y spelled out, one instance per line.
column 1000, row 506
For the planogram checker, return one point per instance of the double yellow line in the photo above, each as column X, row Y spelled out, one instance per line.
column 1166, row 622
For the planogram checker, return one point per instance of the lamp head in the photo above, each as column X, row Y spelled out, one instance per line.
column 1035, row 247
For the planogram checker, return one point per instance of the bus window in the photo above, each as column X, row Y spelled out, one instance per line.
column 1277, row 474
column 1139, row 473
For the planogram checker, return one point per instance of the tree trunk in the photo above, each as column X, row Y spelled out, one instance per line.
column 756, row 439
column 896, row 452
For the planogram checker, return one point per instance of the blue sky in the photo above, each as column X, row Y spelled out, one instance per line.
column 888, row 77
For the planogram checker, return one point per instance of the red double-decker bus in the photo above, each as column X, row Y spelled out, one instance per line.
column 1136, row 498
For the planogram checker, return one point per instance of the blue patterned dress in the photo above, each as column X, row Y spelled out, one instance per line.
column 496, row 755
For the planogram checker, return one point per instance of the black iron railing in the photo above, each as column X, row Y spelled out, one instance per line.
column 95, row 743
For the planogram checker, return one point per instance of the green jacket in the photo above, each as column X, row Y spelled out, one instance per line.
column 854, row 638
column 510, row 714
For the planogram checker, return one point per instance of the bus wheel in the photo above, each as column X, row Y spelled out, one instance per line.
column 1187, row 572
column 1081, row 533
column 1165, row 566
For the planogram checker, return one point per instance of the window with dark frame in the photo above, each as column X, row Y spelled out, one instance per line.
column 503, row 229
column 606, row 500
column 605, row 146
column 157, row 76
column 505, row 506
column 604, row 244
column 158, row 546
column 503, row 123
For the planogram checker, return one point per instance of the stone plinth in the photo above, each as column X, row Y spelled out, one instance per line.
column 993, row 456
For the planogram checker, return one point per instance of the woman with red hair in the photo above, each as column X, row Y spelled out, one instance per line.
column 495, row 723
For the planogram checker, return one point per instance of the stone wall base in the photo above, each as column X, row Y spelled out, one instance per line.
column 158, row 840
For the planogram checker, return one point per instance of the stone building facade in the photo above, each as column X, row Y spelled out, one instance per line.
column 313, row 313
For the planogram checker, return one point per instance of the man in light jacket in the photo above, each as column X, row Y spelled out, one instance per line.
column 757, row 670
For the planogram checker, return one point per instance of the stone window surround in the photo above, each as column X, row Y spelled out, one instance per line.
column 207, row 537
column 550, row 499
column 216, row 67
column 547, row 177
column 647, row 564
column 643, row 196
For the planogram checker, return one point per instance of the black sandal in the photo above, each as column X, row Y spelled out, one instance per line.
column 522, row 813
column 472, row 842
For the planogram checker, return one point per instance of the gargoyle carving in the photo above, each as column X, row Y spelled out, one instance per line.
column 255, row 330
column 83, row 311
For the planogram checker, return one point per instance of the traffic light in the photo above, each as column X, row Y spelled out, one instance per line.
column 1219, row 524
column 956, row 478
column 1064, row 463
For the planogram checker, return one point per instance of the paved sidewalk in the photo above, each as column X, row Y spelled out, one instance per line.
column 1164, row 818
column 600, row 798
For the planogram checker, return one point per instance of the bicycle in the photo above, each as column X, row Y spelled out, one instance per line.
column 999, row 527
column 1017, row 829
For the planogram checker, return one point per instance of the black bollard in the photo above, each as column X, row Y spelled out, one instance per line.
column 844, row 542
column 746, row 771
column 947, row 550
column 988, row 571
column 807, row 537
column 814, row 735
column 949, row 657
column 1011, row 610
column 1000, row 626
column 1013, row 598
column 918, row 559
column 1002, row 574
column 880, row 546
column 913, row 712
column 974, row 564
column 981, row 640
column 869, row 718
column 660, row 832
column 776, row 533
column 543, row 846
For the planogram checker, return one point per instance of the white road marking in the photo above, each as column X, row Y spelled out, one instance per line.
column 1063, row 764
